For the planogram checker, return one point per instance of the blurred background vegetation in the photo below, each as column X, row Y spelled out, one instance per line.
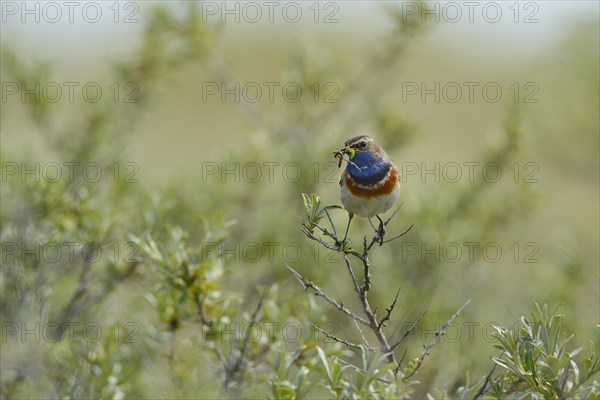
column 179, row 245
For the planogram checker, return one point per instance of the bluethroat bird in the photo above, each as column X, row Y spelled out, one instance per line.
column 370, row 184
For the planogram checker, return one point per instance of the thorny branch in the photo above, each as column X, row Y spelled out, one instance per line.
column 435, row 339
column 318, row 292
column 337, row 339
column 408, row 332
column 481, row 390
column 375, row 323
column 388, row 311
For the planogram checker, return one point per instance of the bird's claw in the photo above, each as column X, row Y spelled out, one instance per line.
column 380, row 233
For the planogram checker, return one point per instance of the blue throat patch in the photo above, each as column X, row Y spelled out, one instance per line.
column 367, row 169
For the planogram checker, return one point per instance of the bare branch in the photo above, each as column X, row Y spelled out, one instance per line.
column 351, row 272
column 362, row 291
column 387, row 221
column 362, row 335
column 376, row 237
column 311, row 236
column 408, row 332
column 337, row 339
column 399, row 365
column 371, row 317
column 439, row 333
column 366, row 266
column 388, row 311
column 308, row 284
column 331, row 222
column 487, row 380
column 400, row 235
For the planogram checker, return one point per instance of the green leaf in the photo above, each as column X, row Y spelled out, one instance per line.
column 530, row 364
column 314, row 213
column 307, row 205
column 364, row 353
column 325, row 363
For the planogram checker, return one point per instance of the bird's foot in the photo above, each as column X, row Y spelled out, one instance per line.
column 380, row 231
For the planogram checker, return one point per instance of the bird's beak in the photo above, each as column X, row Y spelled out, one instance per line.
column 340, row 154
column 348, row 150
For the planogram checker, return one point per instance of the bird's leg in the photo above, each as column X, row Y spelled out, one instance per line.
column 350, row 216
column 372, row 226
column 380, row 230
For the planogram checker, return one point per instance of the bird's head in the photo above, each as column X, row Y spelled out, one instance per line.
column 359, row 144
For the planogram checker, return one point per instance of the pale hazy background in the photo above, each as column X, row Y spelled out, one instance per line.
column 559, row 53
column 182, row 131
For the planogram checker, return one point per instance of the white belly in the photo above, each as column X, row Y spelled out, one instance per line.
column 368, row 207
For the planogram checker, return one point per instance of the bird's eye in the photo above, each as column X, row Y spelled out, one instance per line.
column 363, row 144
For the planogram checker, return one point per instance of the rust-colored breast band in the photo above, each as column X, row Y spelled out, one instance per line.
column 379, row 189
